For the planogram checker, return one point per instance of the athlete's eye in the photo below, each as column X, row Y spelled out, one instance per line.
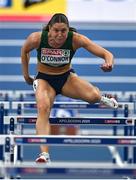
column 63, row 30
column 56, row 30
column 60, row 30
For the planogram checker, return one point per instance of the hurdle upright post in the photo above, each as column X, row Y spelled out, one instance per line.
column 12, row 125
column 126, row 132
column 134, row 149
column 21, row 97
column 11, row 131
column 19, row 109
column 131, row 98
column 115, row 114
column 19, row 127
column 1, row 129
column 6, row 98
column 7, row 150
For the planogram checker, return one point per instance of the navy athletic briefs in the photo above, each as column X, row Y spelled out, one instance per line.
column 56, row 81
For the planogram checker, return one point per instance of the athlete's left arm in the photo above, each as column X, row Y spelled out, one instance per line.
column 97, row 50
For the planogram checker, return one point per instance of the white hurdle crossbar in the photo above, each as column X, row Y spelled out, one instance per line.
column 69, row 105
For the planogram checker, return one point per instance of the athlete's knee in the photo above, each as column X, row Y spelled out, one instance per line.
column 96, row 95
column 43, row 106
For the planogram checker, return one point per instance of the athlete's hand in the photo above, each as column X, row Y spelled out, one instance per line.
column 29, row 80
column 106, row 67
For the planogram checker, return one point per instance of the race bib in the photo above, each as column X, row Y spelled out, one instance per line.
column 55, row 57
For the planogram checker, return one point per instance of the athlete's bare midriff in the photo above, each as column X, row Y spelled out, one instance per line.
column 52, row 70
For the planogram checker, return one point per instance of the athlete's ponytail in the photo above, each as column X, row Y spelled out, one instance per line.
column 72, row 29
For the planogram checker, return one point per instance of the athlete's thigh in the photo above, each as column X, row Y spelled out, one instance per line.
column 75, row 87
column 45, row 94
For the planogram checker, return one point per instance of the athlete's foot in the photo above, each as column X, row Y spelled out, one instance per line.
column 109, row 101
column 43, row 158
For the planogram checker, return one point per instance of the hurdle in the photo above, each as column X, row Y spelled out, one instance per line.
column 67, row 140
column 120, row 121
column 68, row 170
column 12, row 140
column 27, row 119
column 70, row 105
column 126, row 107
column 70, row 140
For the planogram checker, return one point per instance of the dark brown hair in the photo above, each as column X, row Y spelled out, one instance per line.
column 59, row 18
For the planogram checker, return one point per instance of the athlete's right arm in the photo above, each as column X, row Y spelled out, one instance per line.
column 32, row 42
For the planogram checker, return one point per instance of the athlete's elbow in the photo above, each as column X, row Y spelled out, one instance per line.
column 109, row 56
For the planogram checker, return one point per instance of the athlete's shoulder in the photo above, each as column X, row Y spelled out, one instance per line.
column 35, row 36
column 34, row 39
column 78, row 39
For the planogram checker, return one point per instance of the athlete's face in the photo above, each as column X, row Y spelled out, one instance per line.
column 59, row 32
